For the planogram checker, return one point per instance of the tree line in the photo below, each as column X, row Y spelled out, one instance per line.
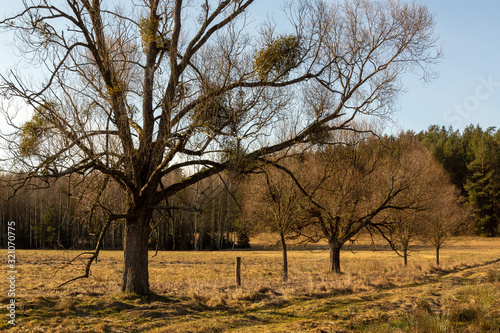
column 64, row 215
column 391, row 186
column 71, row 212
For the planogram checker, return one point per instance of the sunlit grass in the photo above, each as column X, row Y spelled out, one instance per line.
column 196, row 291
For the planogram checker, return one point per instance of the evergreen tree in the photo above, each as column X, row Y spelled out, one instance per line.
column 482, row 185
column 448, row 148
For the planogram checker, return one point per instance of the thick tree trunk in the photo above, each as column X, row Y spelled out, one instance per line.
column 335, row 257
column 405, row 257
column 135, row 277
column 437, row 255
column 285, row 257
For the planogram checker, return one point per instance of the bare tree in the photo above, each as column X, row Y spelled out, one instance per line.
column 402, row 227
column 445, row 215
column 140, row 90
column 406, row 226
column 350, row 187
column 434, row 215
column 273, row 204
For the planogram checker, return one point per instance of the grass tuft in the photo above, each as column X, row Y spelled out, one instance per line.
column 66, row 307
column 494, row 276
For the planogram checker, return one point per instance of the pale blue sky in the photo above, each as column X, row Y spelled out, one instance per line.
column 468, row 88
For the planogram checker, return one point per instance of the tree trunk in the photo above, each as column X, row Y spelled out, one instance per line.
column 135, row 277
column 285, row 257
column 335, row 257
column 405, row 257
column 437, row 255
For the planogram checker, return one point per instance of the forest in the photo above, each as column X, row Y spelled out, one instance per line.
column 296, row 196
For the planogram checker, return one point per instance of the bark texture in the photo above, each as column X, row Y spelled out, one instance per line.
column 335, row 257
column 135, row 278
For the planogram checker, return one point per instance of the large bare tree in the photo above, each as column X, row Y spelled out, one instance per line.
column 139, row 90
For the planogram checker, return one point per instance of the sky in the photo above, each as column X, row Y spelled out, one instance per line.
column 467, row 90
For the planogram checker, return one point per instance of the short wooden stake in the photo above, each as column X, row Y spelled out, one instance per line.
column 238, row 271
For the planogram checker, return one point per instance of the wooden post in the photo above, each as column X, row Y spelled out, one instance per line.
column 238, row 271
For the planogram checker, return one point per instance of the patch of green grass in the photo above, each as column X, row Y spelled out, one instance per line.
column 473, row 308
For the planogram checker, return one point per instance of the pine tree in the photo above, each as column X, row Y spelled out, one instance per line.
column 482, row 185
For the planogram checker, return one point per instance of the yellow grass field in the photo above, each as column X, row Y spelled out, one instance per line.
column 196, row 291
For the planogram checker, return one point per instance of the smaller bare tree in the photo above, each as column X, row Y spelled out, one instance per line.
column 445, row 216
column 275, row 206
column 405, row 229
column 433, row 215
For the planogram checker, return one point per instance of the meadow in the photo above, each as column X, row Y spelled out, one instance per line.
column 196, row 291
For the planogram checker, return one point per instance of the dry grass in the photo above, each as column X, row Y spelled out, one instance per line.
column 195, row 292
